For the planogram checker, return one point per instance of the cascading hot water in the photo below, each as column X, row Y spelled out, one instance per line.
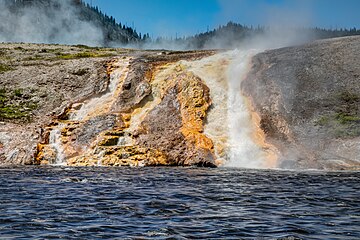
column 230, row 123
column 55, row 143
column 243, row 150
column 97, row 132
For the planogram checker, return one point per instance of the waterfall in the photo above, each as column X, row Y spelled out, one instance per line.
column 243, row 150
column 61, row 148
column 56, row 145
column 100, row 105
column 238, row 141
column 230, row 123
column 211, row 70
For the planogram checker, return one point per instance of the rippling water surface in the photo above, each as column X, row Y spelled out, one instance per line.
column 177, row 203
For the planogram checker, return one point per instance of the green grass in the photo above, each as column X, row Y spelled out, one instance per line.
column 3, row 97
column 34, row 58
column 18, row 92
column 4, row 55
column 344, row 122
column 338, row 118
column 17, row 111
column 323, row 120
column 12, row 112
column 354, row 131
column 11, row 109
column 346, row 119
column 5, row 68
column 50, row 50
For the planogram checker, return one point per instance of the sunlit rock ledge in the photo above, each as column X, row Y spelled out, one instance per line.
column 102, row 107
column 152, row 114
column 295, row 107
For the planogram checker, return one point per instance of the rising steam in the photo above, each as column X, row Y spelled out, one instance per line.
column 58, row 22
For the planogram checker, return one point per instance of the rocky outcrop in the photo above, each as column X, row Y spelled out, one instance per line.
column 298, row 107
column 37, row 82
column 308, row 99
column 180, row 134
column 151, row 114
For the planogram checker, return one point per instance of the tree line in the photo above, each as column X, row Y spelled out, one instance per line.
column 116, row 33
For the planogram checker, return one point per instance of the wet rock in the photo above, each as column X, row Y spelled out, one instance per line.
column 135, row 125
column 308, row 98
column 89, row 130
column 150, row 110
column 135, row 87
column 163, row 133
column 179, row 134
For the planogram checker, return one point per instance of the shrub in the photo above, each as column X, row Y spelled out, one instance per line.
column 18, row 92
column 80, row 72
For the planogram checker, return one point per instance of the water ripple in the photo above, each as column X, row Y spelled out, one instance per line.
column 177, row 203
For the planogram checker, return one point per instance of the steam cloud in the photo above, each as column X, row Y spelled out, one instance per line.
column 61, row 22
column 284, row 26
column 57, row 23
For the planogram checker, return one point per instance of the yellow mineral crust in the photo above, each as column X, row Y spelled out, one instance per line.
column 194, row 98
column 120, row 156
column 81, row 144
column 113, row 147
column 212, row 71
column 45, row 154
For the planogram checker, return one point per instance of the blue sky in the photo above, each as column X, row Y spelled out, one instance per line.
column 186, row 17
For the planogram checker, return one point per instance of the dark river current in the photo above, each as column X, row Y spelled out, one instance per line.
column 177, row 203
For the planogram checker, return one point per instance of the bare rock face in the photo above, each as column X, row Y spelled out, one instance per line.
column 135, row 87
column 151, row 114
column 36, row 83
column 308, row 98
column 180, row 134
column 82, row 106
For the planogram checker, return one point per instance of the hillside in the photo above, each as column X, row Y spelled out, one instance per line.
column 83, row 106
column 308, row 98
column 96, row 94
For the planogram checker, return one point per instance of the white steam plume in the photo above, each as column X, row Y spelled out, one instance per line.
column 56, row 23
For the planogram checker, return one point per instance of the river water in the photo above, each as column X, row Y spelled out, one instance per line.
column 177, row 203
